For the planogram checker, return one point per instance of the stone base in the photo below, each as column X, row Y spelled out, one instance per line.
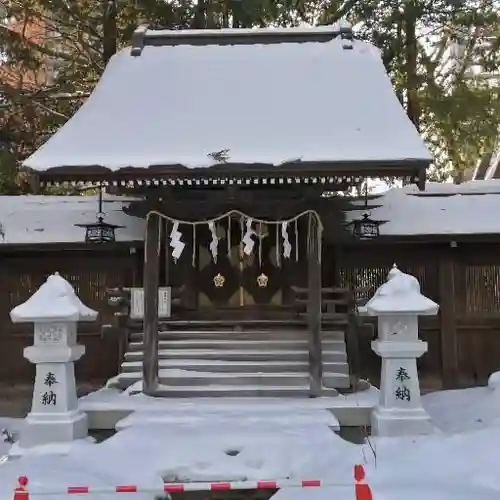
column 393, row 422
column 47, row 429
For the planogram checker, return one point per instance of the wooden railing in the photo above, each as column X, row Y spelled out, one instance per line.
column 338, row 308
column 128, row 303
column 334, row 309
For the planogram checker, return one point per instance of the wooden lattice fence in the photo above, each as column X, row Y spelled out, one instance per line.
column 464, row 340
column 90, row 272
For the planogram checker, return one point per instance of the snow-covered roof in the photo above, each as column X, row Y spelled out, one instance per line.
column 442, row 209
column 31, row 220
column 270, row 99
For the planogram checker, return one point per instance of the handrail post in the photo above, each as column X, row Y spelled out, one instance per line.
column 151, row 278
column 314, row 304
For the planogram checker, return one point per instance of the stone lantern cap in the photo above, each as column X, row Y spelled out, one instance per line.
column 400, row 294
column 55, row 300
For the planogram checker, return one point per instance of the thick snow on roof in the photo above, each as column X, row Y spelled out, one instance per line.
column 442, row 209
column 33, row 220
column 491, row 186
column 265, row 103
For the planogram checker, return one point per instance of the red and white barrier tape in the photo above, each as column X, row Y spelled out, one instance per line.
column 362, row 490
column 243, row 485
column 195, row 486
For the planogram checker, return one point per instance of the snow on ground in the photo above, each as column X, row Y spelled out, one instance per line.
column 223, row 450
column 402, row 492
column 458, row 463
column 464, row 410
column 55, row 473
column 12, row 426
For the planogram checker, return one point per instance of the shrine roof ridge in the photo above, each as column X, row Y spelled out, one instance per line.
column 146, row 36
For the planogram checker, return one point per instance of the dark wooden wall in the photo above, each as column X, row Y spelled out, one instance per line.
column 464, row 340
column 90, row 271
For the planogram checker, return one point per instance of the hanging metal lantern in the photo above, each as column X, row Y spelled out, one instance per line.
column 365, row 228
column 100, row 231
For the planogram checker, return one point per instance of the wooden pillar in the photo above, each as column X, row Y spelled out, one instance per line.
column 193, row 301
column 314, row 308
column 166, row 240
column 422, row 177
column 447, row 318
column 150, row 283
column 135, row 267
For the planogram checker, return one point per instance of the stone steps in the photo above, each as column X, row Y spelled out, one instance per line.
column 237, row 360
column 240, row 355
column 242, row 391
column 232, row 334
column 238, row 344
column 179, row 378
column 223, row 366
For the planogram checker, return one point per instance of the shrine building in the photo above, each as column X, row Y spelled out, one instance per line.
column 235, row 149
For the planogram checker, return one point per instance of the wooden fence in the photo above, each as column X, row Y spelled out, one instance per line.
column 90, row 272
column 464, row 340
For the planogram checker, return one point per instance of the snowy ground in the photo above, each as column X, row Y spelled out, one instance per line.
column 459, row 462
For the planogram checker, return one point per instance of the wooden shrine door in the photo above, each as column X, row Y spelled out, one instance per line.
column 236, row 279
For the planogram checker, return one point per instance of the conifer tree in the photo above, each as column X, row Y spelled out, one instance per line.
column 436, row 51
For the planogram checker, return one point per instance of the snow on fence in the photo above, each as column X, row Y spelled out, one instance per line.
column 362, row 490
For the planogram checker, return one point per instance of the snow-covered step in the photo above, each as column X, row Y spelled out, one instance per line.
column 267, row 360
column 236, row 354
column 194, row 379
column 236, row 335
column 243, row 323
column 239, row 344
column 244, row 391
column 220, row 366
column 240, row 418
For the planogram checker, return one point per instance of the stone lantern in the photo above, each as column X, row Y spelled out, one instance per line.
column 55, row 418
column 397, row 304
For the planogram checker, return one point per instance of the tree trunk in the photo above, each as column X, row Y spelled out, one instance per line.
column 411, row 52
column 200, row 21
column 109, row 31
